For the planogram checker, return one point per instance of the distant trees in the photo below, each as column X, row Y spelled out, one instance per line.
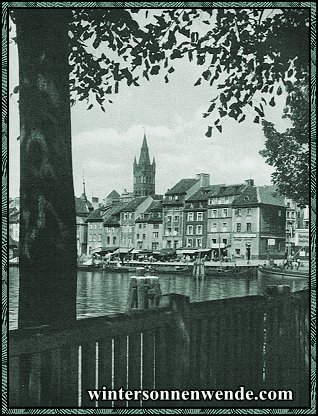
column 288, row 152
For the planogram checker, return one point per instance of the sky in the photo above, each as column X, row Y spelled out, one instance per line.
column 105, row 144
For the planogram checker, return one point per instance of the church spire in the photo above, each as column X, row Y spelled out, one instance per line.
column 144, row 153
column 84, row 191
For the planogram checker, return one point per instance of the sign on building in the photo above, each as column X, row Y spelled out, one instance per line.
column 302, row 238
column 271, row 242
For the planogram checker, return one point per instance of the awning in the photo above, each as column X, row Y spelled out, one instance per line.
column 135, row 251
column 203, row 250
column 123, row 250
column 103, row 250
column 167, row 252
column 187, row 251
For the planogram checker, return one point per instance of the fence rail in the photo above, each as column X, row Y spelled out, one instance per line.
column 256, row 341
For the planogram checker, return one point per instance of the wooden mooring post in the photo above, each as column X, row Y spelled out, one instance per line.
column 144, row 291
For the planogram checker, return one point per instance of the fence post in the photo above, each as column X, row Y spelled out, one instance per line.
column 179, row 342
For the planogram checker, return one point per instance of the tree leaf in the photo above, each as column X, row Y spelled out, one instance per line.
column 209, row 132
column 256, row 119
column 219, row 128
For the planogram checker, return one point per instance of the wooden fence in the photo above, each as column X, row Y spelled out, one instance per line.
column 257, row 342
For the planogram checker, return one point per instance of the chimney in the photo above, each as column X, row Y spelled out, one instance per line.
column 204, row 179
column 249, row 182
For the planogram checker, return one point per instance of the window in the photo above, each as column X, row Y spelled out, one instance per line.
column 199, row 242
column 125, row 216
column 155, row 234
column 249, row 212
column 238, row 251
column 114, row 240
column 224, row 241
column 130, row 215
column 190, row 216
column 248, row 226
column 108, row 240
column 210, row 201
column 139, row 245
column 169, row 218
column 176, row 243
column 156, row 226
column 199, row 216
column 168, row 231
column 214, row 227
column 279, row 212
column 176, row 231
column 99, row 237
column 199, row 229
column 224, row 212
column 169, row 244
column 288, row 204
column 189, row 242
column 238, row 227
column 137, row 236
column 90, row 237
column 238, row 212
column 190, row 229
column 224, row 226
column 140, row 225
column 144, row 236
column 94, row 237
column 213, row 240
column 100, row 225
column 155, row 246
column 214, row 213
column 176, row 218
column 144, row 225
column 95, row 226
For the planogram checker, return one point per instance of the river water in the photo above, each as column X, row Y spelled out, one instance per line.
column 103, row 293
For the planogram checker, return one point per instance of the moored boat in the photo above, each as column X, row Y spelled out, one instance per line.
column 277, row 271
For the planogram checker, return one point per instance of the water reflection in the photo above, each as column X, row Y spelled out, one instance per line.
column 100, row 293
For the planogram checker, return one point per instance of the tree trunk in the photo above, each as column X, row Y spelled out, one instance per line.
column 47, row 294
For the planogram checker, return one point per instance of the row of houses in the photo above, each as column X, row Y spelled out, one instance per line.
column 237, row 220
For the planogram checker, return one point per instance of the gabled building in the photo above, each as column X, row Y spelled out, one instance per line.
column 219, row 217
column 258, row 217
column 297, row 229
column 95, row 229
column 148, row 228
column 128, row 215
column 173, row 205
column 195, row 215
column 111, row 224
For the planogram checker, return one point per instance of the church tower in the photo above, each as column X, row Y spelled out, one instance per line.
column 144, row 172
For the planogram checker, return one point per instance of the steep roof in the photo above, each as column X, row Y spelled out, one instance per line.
column 229, row 190
column 112, row 218
column 155, row 206
column 134, row 203
column 203, row 194
column 269, row 195
column 83, row 206
column 113, row 194
column 252, row 195
column 182, row 186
